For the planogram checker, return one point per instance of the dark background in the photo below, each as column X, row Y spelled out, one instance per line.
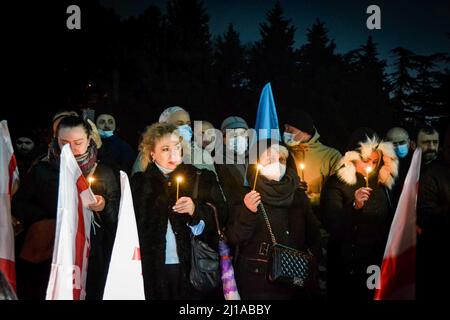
column 135, row 58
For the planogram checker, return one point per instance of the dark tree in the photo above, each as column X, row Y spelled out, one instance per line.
column 402, row 83
column 229, row 71
column 320, row 87
column 188, row 54
column 427, row 85
column 272, row 58
column 368, row 88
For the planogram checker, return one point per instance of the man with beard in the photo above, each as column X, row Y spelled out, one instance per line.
column 433, row 220
column 427, row 138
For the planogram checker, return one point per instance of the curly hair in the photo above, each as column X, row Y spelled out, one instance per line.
column 151, row 136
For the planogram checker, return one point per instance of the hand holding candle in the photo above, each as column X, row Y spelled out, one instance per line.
column 258, row 167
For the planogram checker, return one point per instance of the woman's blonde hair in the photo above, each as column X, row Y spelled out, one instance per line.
column 151, row 136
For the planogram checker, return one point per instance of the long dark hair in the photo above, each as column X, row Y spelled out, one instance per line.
column 72, row 122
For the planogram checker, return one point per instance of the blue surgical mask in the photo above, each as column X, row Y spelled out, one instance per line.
column 401, row 150
column 289, row 139
column 185, row 131
column 105, row 134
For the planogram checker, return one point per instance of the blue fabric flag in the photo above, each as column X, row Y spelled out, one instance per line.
column 266, row 117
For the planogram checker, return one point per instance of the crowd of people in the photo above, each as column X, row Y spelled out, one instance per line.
column 339, row 207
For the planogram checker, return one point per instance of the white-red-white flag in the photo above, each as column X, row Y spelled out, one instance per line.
column 398, row 271
column 9, row 181
column 125, row 281
column 72, row 239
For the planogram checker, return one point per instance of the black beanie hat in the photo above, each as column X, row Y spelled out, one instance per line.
column 360, row 135
column 301, row 120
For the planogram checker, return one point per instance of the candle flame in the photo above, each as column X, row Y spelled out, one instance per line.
column 302, row 166
column 368, row 170
column 259, row 166
column 179, row 179
column 91, row 180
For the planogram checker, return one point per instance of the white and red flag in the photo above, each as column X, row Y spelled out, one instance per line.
column 398, row 271
column 9, row 181
column 72, row 239
column 125, row 281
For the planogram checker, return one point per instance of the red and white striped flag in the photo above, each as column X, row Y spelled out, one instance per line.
column 9, row 181
column 398, row 271
column 125, row 281
column 72, row 239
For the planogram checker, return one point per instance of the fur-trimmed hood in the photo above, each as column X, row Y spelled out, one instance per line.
column 389, row 165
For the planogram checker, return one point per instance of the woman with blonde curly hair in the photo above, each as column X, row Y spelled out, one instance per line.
column 167, row 217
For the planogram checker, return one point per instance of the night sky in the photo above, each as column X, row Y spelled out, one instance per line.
column 420, row 26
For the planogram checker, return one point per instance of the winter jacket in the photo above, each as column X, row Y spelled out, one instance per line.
column 357, row 237
column 153, row 197
column 37, row 200
column 433, row 219
column 293, row 224
column 116, row 151
column 320, row 162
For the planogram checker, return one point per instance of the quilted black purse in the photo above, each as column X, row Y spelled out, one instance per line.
column 286, row 265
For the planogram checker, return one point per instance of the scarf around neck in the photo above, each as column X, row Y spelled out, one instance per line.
column 86, row 161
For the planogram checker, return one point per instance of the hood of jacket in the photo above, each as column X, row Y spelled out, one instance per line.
column 389, row 165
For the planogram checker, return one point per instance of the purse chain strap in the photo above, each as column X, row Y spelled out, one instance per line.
column 266, row 218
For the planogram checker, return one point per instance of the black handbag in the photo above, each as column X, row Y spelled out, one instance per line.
column 205, row 272
column 205, row 263
column 286, row 265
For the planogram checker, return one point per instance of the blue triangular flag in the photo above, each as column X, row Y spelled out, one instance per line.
column 266, row 117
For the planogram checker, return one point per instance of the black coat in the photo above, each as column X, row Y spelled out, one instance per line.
column 433, row 219
column 357, row 237
column 293, row 225
column 153, row 197
column 37, row 199
column 116, row 152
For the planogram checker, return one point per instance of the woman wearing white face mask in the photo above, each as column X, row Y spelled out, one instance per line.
column 291, row 218
column 165, row 223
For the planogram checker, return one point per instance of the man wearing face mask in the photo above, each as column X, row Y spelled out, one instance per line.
column 232, row 167
column 114, row 151
column 315, row 162
column 402, row 145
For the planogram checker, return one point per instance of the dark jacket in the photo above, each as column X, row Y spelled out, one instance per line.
column 293, row 225
column 154, row 195
column 357, row 237
column 433, row 219
column 403, row 168
column 116, row 152
column 231, row 180
column 37, row 200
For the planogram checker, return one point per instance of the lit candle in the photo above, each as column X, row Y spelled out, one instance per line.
column 302, row 169
column 91, row 181
column 258, row 167
column 179, row 179
column 368, row 171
